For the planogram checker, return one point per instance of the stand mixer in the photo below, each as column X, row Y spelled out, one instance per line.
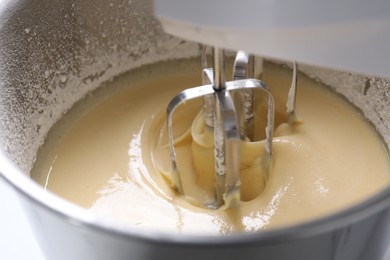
column 322, row 33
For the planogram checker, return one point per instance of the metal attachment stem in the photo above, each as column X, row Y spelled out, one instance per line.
column 219, row 69
column 292, row 96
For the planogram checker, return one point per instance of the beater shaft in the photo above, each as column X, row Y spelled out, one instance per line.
column 226, row 137
column 291, row 98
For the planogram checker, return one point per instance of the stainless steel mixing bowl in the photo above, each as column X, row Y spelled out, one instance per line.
column 52, row 53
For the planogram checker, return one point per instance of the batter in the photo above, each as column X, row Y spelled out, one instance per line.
column 114, row 159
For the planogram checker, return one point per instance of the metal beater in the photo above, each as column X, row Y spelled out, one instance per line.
column 228, row 109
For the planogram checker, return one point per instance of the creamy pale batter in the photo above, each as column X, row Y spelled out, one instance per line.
column 114, row 160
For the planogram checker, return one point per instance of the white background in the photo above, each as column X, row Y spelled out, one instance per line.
column 16, row 239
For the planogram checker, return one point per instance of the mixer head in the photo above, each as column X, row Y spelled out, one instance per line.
column 348, row 35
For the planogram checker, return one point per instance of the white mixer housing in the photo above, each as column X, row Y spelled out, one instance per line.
column 352, row 35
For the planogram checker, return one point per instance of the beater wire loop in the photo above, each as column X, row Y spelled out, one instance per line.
column 228, row 111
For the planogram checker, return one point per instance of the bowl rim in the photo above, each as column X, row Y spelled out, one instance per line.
column 79, row 216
